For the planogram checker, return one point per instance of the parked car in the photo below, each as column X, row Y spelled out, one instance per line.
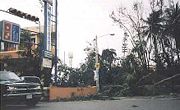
column 15, row 90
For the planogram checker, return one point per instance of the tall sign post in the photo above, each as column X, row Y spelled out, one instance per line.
column 47, row 25
column 56, row 59
column 47, row 54
column 47, row 31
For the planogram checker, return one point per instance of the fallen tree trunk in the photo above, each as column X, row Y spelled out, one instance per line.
column 167, row 79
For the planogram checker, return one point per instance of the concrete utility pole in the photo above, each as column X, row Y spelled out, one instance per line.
column 97, row 65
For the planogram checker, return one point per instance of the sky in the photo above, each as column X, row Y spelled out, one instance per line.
column 79, row 21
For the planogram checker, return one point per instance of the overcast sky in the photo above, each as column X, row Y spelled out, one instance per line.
column 79, row 21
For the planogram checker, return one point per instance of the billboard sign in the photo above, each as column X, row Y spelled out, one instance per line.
column 7, row 31
column 48, row 54
column 47, row 63
column 15, row 33
column 47, row 27
column 10, row 32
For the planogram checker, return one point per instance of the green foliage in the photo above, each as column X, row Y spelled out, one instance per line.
column 106, row 72
column 32, row 56
column 74, row 77
column 154, row 56
column 155, row 40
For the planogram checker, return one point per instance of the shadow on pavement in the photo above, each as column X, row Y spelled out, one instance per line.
column 19, row 107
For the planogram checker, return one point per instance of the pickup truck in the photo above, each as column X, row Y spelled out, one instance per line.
column 14, row 89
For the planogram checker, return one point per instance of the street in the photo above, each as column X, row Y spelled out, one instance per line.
column 122, row 104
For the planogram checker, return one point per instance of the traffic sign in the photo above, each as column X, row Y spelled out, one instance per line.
column 47, row 54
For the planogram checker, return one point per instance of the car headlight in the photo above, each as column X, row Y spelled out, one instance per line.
column 38, row 87
column 11, row 88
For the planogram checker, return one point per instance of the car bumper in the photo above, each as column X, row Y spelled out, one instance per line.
column 21, row 98
column 22, row 94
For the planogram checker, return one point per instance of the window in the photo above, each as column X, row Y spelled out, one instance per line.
column 6, row 46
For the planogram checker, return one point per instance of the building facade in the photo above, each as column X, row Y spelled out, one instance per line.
column 10, row 50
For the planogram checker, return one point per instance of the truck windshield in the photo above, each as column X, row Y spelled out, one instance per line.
column 8, row 76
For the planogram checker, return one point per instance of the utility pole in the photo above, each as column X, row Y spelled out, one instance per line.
column 56, row 61
column 97, row 65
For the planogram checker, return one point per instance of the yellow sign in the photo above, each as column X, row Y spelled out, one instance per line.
column 97, row 65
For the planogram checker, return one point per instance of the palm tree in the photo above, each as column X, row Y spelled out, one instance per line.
column 108, row 56
column 153, row 31
column 173, row 24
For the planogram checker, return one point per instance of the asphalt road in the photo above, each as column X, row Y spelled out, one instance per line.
column 122, row 104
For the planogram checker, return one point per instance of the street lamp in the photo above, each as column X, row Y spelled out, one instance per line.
column 97, row 65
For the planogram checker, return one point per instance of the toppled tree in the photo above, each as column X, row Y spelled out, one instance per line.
column 155, row 42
